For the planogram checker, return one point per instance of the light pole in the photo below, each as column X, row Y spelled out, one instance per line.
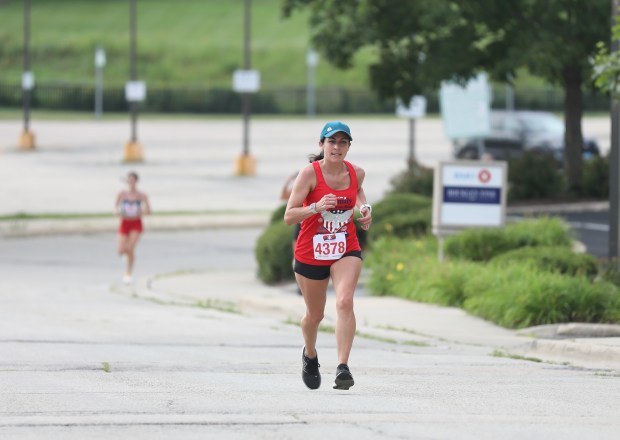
column 247, row 62
column 246, row 81
column 312, row 59
column 614, row 163
column 99, row 64
column 510, row 93
column 135, row 92
column 26, row 139
column 414, row 110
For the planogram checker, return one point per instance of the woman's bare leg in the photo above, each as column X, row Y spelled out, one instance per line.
column 345, row 274
column 132, row 241
column 315, row 295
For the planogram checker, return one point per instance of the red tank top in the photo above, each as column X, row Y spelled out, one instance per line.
column 336, row 220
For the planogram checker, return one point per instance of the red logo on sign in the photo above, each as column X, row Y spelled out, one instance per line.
column 484, row 176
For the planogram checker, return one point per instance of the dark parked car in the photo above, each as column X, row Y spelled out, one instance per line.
column 513, row 132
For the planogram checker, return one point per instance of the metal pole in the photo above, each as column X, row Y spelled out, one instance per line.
column 510, row 97
column 26, row 92
column 510, row 93
column 99, row 61
column 246, row 66
column 411, row 161
column 98, row 92
column 133, row 106
column 310, row 102
column 614, row 162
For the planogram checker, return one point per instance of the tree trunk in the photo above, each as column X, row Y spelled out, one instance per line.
column 573, row 136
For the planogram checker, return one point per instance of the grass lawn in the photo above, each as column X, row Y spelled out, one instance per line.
column 188, row 42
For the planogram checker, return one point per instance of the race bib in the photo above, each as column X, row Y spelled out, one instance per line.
column 329, row 246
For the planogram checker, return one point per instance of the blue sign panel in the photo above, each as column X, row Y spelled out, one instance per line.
column 455, row 194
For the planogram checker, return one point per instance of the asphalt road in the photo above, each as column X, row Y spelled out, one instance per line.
column 592, row 229
column 78, row 360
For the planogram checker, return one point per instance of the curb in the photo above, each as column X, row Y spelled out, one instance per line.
column 558, row 209
column 70, row 226
column 573, row 352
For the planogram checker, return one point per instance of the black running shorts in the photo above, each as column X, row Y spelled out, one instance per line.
column 319, row 272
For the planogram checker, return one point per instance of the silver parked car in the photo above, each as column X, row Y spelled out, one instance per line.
column 513, row 132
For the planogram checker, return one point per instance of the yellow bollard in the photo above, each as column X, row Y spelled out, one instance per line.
column 133, row 152
column 245, row 165
column 26, row 140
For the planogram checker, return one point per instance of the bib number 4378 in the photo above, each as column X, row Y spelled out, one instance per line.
column 329, row 246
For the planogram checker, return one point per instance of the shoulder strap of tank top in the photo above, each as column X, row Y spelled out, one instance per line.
column 352, row 174
column 317, row 171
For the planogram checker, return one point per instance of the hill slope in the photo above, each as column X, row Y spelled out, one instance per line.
column 180, row 43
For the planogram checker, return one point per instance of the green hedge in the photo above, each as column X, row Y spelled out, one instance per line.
column 274, row 253
column 534, row 176
column 595, row 179
column 400, row 215
column 484, row 244
column 278, row 214
column 552, row 259
column 398, row 203
column 409, row 268
column 516, row 294
column 521, row 295
column 417, row 180
column 406, row 224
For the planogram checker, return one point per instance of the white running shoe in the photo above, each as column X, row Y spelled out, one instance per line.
column 127, row 279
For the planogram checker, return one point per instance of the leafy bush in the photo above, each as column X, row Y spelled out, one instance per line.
column 397, row 203
column 608, row 271
column 595, row 179
column 407, row 224
column 534, row 176
column 512, row 295
column 410, row 269
column 552, row 259
column 484, row 244
column 520, row 295
column 278, row 214
column 400, row 215
column 417, row 180
column 274, row 253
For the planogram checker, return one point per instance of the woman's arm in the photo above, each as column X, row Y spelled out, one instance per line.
column 305, row 182
column 365, row 209
column 295, row 211
column 117, row 203
column 147, row 205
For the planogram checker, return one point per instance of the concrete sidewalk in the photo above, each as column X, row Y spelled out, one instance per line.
column 389, row 319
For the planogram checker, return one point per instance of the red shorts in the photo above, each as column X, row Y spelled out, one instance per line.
column 130, row 224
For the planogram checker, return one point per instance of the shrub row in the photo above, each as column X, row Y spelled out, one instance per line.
column 532, row 288
column 484, row 244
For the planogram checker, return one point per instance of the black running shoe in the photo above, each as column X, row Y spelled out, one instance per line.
column 344, row 380
column 310, row 371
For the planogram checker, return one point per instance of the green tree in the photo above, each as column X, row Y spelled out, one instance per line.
column 606, row 64
column 421, row 43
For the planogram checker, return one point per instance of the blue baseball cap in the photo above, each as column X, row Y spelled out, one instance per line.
column 334, row 127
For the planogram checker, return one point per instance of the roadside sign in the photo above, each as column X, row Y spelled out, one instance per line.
column 246, row 81
column 100, row 58
column 415, row 110
column 466, row 110
column 27, row 80
column 135, row 91
column 469, row 194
